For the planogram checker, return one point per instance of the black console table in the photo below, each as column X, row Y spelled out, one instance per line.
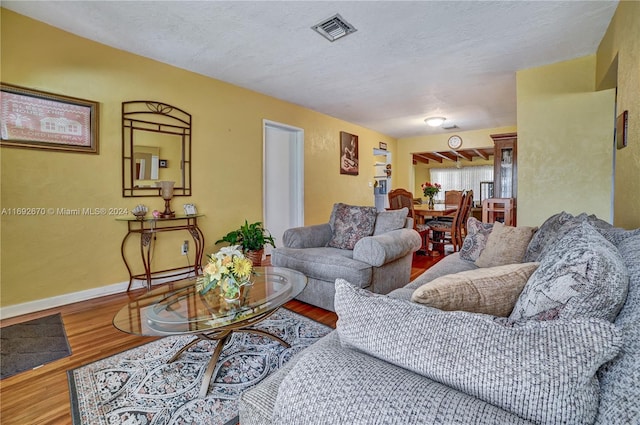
column 147, row 228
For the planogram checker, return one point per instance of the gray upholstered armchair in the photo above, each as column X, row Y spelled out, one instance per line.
column 370, row 249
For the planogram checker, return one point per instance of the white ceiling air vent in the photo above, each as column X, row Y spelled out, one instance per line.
column 449, row 126
column 334, row 28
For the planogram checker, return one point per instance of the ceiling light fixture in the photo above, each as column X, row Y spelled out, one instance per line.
column 434, row 121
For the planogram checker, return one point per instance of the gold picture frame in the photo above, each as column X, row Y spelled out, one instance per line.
column 35, row 119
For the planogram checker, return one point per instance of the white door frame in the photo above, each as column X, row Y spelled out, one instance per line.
column 297, row 192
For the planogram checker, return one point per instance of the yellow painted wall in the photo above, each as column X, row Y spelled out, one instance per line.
column 619, row 65
column 55, row 254
column 412, row 176
column 565, row 139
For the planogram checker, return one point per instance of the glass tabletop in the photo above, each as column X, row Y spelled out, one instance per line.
column 150, row 217
column 178, row 308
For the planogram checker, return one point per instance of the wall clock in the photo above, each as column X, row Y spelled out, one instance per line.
column 455, row 142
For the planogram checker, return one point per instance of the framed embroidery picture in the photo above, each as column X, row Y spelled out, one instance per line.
column 40, row 120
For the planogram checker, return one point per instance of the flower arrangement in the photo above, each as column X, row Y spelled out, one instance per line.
column 229, row 269
column 430, row 189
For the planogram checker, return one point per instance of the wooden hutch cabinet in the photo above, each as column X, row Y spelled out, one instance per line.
column 505, row 165
column 503, row 205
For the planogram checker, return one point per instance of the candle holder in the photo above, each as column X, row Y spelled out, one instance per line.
column 166, row 191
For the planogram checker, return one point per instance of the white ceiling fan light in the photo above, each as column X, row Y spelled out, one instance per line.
column 435, row 121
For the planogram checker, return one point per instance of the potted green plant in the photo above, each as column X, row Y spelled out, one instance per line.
column 252, row 238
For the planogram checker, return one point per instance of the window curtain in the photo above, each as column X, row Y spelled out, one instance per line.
column 465, row 178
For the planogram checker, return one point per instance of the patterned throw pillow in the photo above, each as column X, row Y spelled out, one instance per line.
column 545, row 236
column 476, row 239
column 492, row 290
column 581, row 275
column 350, row 224
column 541, row 371
column 505, row 245
column 617, row 236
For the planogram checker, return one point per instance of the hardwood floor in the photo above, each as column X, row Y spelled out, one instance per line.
column 41, row 396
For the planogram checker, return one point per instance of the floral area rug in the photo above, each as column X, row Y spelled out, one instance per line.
column 139, row 387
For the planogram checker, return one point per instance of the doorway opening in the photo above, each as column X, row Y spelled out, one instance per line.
column 283, row 179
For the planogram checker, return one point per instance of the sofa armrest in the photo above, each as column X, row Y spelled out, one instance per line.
column 308, row 236
column 382, row 249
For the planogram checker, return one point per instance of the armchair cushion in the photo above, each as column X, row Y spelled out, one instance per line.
column 382, row 249
column 351, row 223
column 387, row 221
column 324, row 263
column 307, row 236
column 541, row 371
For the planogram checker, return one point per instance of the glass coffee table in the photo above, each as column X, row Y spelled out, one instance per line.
column 177, row 308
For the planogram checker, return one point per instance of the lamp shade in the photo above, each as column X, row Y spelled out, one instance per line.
column 166, row 189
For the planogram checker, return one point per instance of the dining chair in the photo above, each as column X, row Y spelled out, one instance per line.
column 466, row 212
column 452, row 197
column 401, row 198
column 442, row 233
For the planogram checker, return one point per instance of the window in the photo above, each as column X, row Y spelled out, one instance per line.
column 461, row 179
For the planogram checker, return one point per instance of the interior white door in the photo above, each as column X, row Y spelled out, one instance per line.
column 283, row 179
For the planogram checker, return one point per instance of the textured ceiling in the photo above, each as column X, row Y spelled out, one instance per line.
column 407, row 60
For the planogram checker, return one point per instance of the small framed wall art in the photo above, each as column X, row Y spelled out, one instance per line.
column 621, row 130
column 40, row 120
column 348, row 154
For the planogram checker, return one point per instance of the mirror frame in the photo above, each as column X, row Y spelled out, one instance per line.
column 158, row 117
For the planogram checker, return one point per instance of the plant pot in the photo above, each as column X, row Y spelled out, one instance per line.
column 255, row 257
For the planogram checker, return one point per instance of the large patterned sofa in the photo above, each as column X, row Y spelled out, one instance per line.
column 371, row 249
column 552, row 339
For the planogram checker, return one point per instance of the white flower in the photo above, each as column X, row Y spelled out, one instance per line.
column 229, row 251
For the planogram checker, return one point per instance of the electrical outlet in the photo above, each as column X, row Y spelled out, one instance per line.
column 184, row 249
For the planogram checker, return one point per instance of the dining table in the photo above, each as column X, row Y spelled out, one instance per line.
column 423, row 212
column 438, row 210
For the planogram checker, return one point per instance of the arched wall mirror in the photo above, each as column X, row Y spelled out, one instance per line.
column 156, row 146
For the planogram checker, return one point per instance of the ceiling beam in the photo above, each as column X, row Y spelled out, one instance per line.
column 447, row 155
column 463, row 154
column 452, row 155
column 420, row 158
column 481, row 154
column 431, row 156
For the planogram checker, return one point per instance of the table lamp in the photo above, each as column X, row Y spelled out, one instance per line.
column 166, row 191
